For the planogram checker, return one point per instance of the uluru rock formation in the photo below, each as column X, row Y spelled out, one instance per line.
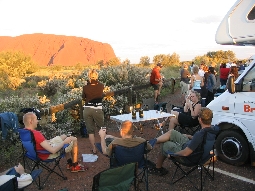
column 49, row 49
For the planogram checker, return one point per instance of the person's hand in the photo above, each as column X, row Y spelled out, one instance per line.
column 19, row 169
column 174, row 112
column 68, row 140
column 102, row 133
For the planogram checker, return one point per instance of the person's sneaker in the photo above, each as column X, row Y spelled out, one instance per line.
column 158, row 171
column 78, row 168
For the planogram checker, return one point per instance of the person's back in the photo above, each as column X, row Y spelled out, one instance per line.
column 197, row 83
column 126, row 140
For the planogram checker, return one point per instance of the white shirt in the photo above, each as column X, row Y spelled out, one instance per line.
column 23, row 180
column 201, row 73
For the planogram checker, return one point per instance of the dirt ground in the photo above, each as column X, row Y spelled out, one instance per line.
column 82, row 181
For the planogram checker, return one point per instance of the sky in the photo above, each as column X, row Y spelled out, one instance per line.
column 134, row 28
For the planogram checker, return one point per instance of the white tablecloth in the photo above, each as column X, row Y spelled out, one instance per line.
column 147, row 115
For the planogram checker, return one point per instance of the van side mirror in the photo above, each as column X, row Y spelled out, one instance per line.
column 231, row 85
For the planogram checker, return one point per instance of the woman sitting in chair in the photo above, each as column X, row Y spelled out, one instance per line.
column 191, row 109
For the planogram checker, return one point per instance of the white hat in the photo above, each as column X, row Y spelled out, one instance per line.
column 228, row 65
column 233, row 64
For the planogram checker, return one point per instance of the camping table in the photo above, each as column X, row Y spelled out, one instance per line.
column 147, row 116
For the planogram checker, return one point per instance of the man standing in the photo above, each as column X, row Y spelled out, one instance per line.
column 201, row 71
column 54, row 145
column 93, row 114
column 156, row 80
column 185, row 78
column 182, row 144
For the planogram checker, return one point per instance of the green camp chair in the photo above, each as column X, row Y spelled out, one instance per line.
column 117, row 179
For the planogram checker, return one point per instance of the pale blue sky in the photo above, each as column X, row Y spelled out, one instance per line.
column 134, row 28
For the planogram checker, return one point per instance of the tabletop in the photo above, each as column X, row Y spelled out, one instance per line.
column 147, row 115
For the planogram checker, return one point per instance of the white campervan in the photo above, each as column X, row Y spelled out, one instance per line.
column 234, row 110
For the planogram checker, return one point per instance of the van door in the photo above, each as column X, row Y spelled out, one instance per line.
column 245, row 101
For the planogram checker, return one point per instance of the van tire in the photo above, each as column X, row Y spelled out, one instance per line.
column 232, row 147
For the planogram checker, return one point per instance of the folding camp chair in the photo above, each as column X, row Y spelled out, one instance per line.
column 29, row 152
column 201, row 161
column 12, row 184
column 185, row 129
column 122, row 155
column 117, row 179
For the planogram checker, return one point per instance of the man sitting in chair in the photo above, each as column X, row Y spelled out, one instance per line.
column 54, row 145
column 23, row 178
column 127, row 139
column 182, row 144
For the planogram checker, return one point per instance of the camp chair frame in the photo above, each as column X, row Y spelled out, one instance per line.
column 185, row 129
column 122, row 155
column 203, row 161
column 114, row 178
column 29, row 152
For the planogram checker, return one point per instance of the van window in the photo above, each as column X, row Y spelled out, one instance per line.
column 249, row 81
column 251, row 15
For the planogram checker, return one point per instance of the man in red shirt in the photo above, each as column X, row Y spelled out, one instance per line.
column 156, row 80
column 54, row 145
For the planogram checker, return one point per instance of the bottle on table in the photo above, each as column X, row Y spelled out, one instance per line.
column 141, row 112
column 134, row 113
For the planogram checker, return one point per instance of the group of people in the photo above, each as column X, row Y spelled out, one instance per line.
column 201, row 79
column 172, row 141
column 94, row 118
column 227, row 70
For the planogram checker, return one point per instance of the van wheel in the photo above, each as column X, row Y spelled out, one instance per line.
column 232, row 148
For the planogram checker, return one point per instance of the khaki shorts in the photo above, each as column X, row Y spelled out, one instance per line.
column 184, row 88
column 175, row 143
column 55, row 141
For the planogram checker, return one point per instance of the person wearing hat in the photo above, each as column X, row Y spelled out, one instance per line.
column 93, row 114
column 156, row 80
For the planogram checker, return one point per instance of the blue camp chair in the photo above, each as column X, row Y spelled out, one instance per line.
column 12, row 184
column 123, row 155
column 29, row 152
column 117, row 179
column 201, row 160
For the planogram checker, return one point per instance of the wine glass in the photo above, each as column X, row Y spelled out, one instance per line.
column 161, row 109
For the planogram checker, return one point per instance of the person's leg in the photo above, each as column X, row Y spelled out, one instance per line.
column 92, row 142
column 155, row 95
column 160, row 160
column 90, row 124
column 156, row 91
column 75, row 150
column 160, row 84
column 165, row 137
column 98, row 116
column 172, row 123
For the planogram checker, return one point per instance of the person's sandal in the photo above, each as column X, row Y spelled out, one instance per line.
column 158, row 171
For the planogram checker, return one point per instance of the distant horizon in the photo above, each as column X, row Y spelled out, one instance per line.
column 133, row 28
column 240, row 55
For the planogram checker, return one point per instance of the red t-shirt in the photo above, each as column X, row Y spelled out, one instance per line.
column 224, row 73
column 39, row 138
column 155, row 75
